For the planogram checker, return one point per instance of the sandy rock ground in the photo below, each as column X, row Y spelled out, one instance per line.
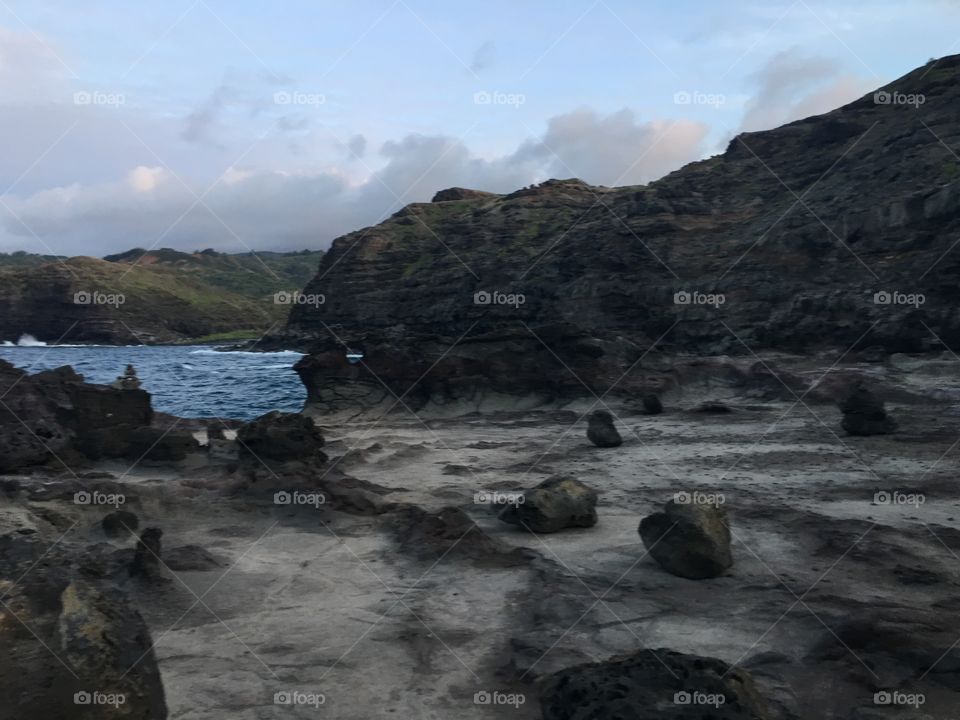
column 845, row 582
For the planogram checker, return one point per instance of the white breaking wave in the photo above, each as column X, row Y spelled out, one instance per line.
column 29, row 341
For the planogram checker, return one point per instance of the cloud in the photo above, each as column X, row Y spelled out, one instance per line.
column 357, row 147
column 791, row 86
column 256, row 209
column 615, row 149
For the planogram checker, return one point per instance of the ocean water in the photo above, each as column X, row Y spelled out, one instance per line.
column 189, row 381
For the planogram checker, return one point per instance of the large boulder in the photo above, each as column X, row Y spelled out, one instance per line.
column 601, row 431
column 555, row 504
column 652, row 685
column 73, row 648
column 281, row 437
column 864, row 414
column 690, row 540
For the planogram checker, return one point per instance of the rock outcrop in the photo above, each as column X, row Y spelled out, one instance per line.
column 555, row 504
column 601, row 430
column 72, row 647
column 652, row 685
column 690, row 540
column 281, row 437
column 50, row 414
column 555, row 291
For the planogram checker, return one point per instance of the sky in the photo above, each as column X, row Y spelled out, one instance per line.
column 241, row 125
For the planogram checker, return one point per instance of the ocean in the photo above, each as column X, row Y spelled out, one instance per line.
column 184, row 380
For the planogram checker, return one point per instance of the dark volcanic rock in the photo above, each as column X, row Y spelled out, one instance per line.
column 690, row 540
column 281, row 437
column 864, row 414
column 601, row 431
column 458, row 193
column 433, row 293
column 652, row 404
column 50, row 413
column 71, row 637
column 119, row 523
column 151, row 443
column 553, row 505
column 146, row 561
column 190, row 557
column 652, row 685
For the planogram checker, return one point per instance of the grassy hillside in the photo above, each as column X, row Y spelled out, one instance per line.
column 167, row 296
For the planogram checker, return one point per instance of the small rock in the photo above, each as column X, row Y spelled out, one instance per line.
column 864, row 414
column 555, row 504
column 689, row 540
column 119, row 523
column 712, row 407
column 190, row 557
column 146, row 560
column 652, row 404
column 601, row 431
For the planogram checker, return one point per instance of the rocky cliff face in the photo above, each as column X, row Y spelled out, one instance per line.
column 831, row 232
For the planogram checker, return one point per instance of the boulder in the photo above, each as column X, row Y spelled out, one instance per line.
column 689, row 540
column 652, row 404
column 281, row 437
column 652, row 685
column 119, row 523
column 864, row 414
column 555, row 504
column 601, row 431
column 71, row 637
